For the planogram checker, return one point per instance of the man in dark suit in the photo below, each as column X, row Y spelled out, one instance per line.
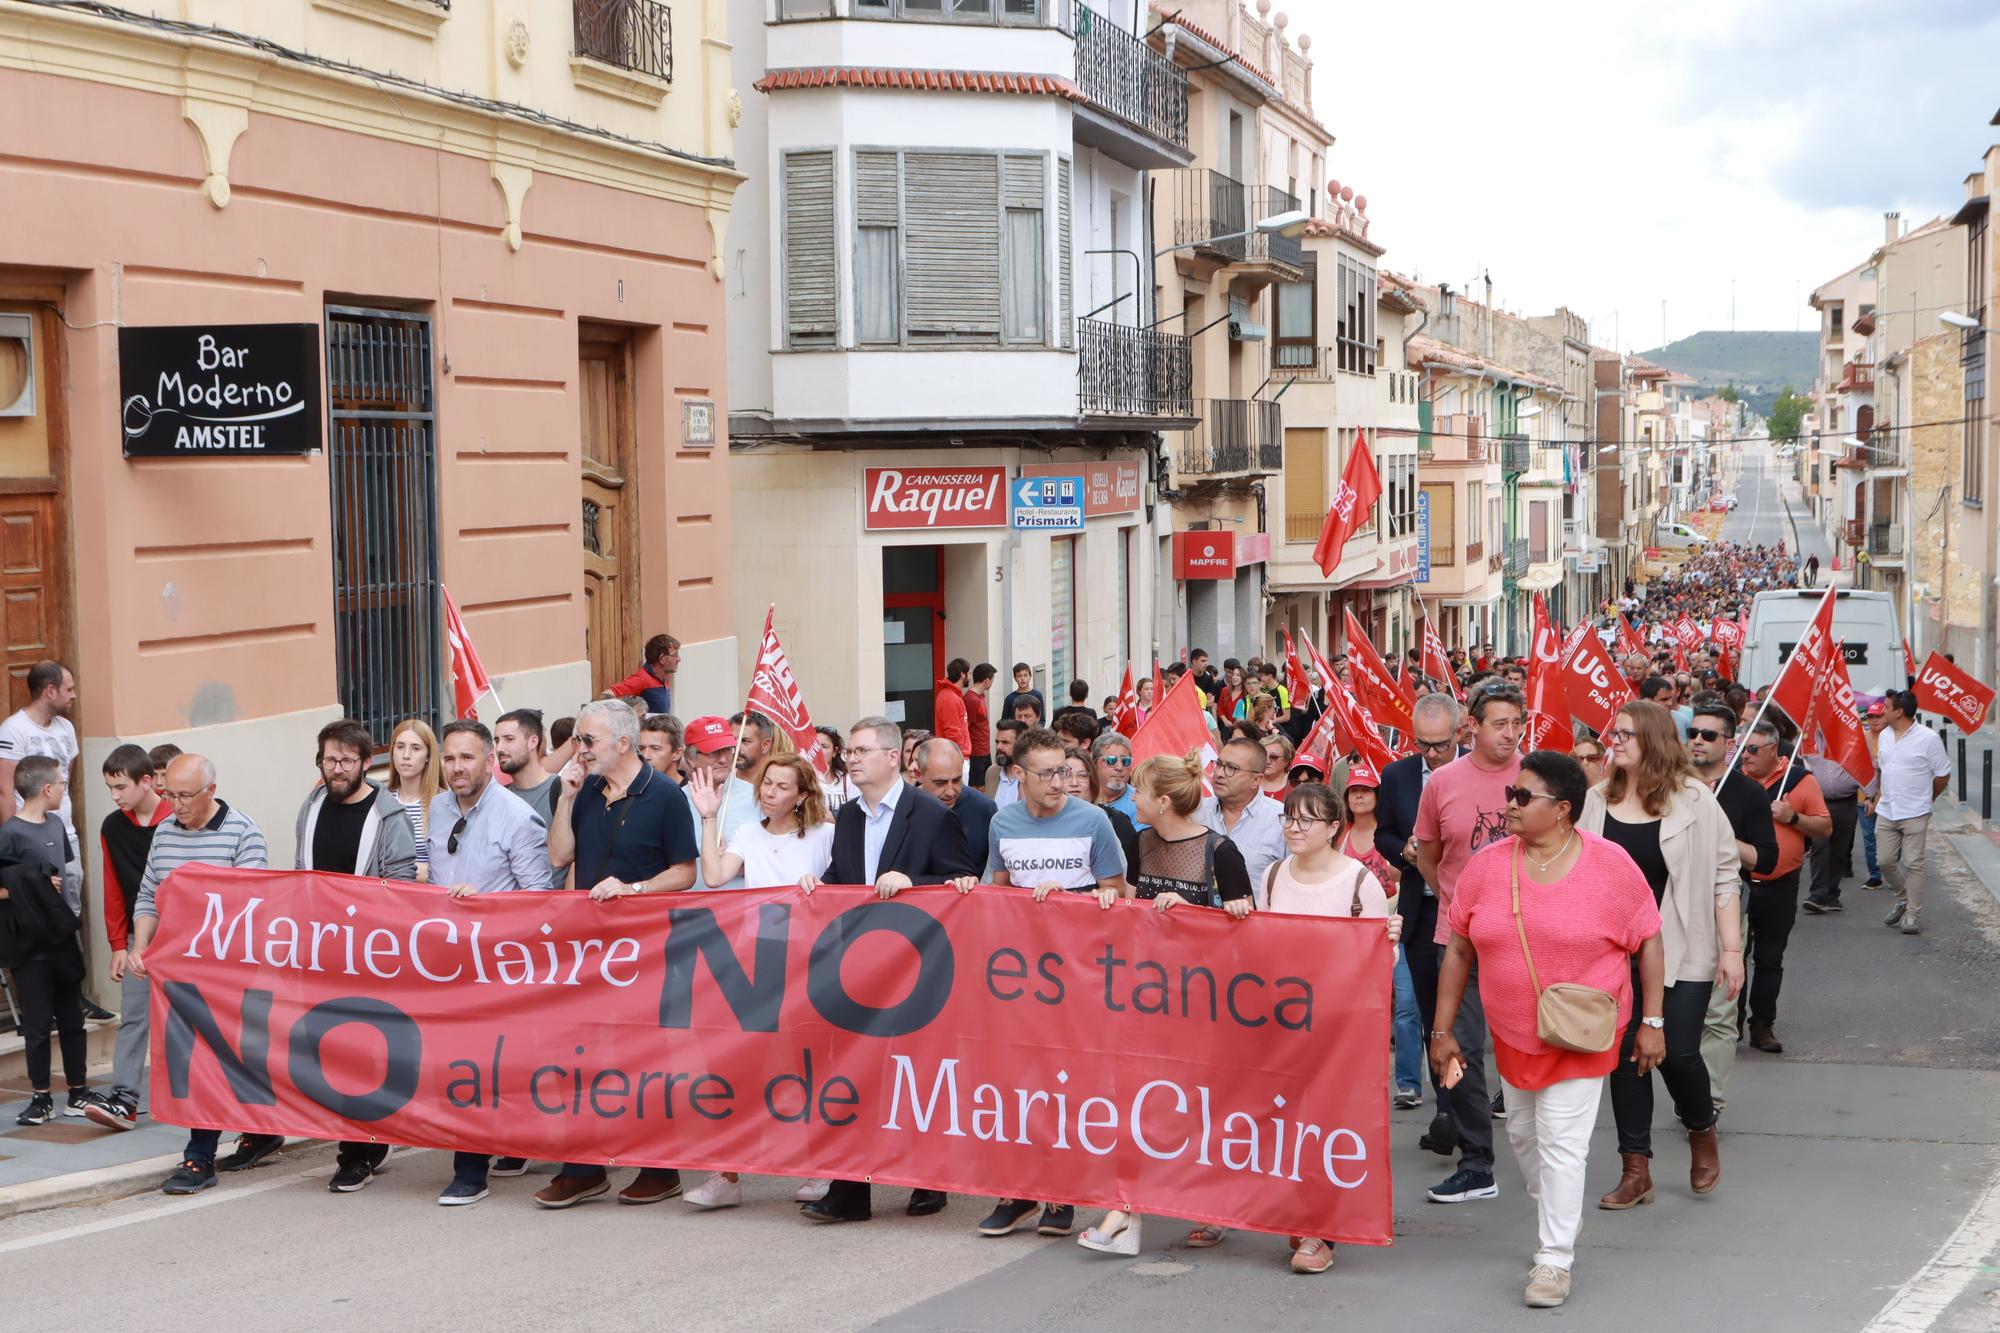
column 943, row 771
column 893, row 835
column 1435, row 735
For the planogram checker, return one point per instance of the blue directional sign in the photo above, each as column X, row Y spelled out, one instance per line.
column 1046, row 504
column 1423, row 538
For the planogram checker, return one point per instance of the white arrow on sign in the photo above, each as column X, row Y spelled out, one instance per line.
column 1026, row 495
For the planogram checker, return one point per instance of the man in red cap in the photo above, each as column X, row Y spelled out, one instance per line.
column 711, row 748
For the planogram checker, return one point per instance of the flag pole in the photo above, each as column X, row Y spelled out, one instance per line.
column 1764, row 706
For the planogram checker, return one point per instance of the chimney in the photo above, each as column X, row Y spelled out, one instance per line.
column 1892, row 228
column 1489, row 316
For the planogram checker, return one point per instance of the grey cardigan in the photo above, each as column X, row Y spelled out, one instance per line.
column 388, row 843
column 1699, row 848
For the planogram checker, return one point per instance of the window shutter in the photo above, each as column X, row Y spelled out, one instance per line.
column 875, row 190
column 811, row 308
column 1023, row 183
column 1066, row 296
column 952, row 245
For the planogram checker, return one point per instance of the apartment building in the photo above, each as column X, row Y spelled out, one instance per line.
column 939, row 300
column 1967, row 600
column 311, row 309
column 1218, row 259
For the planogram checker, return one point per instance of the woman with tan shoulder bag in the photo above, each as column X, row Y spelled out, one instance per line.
column 1552, row 916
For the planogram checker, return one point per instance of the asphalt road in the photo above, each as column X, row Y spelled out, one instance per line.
column 1849, row 1161
column 1764, row 515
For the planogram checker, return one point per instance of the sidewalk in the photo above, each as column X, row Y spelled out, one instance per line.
column 70, row 1159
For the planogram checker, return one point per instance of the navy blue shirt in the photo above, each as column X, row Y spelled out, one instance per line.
column 639, row 835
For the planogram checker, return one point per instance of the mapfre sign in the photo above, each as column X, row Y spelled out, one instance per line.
column 956, row 497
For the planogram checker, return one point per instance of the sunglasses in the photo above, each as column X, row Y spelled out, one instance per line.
column 1522, row 796
column 451, row 843
column 1705, row 734
column 1117, row 760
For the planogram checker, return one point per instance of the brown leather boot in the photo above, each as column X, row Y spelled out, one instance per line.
column 1704, row 1160
column 1635, row 1186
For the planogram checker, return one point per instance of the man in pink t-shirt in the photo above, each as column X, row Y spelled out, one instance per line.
column 1464, row 807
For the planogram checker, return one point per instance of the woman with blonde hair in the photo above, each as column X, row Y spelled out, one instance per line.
column 792, row 840
column 414, row 778
column 1653, row 806
column 1180, row 863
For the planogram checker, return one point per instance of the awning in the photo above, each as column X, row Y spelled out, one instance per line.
column 1540, row 578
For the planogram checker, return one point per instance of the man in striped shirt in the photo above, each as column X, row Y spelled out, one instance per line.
column 206, row 831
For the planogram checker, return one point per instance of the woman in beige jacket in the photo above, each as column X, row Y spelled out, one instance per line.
column 1651, row 804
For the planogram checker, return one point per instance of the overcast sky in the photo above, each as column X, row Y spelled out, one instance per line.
column 1607, row 155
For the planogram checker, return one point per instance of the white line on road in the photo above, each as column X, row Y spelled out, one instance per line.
column 207, row 1199
column 1919, row 1303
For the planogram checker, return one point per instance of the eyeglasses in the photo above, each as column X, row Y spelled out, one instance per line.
column 1590, row 756
column 1619, row 735
column 1117, row 760
column 1433, row 747
column 182, row 797
column 1300, row 821
column 857, row 751
column 337, row 761
column 1522, row 796
column 1046, row 774
column 451, row 843
column 585, row 740
column 1706, row 734
column 1223, row 768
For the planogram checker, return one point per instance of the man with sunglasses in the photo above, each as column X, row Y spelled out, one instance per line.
column 628, row 831
column 1112, row 754
column 493, row 842
column 350, row 825
column 1464, row 807
column 1240, row 811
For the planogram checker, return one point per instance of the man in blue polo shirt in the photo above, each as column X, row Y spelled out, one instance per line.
column 628, row 830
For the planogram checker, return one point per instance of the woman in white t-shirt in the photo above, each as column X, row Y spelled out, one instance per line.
column 792, row 841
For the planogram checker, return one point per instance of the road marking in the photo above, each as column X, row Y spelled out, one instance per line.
column 1920, row 1302
column 206, row 1199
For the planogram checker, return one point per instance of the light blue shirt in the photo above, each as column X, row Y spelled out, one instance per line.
column 739, row 807
column 505, row 843
column 875, row 831
column 1006, row 792
column 1128, row 807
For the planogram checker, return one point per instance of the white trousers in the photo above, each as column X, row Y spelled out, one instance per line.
column 1550, row 1128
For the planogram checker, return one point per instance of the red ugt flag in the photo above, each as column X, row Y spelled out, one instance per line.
column 1548, row 703
column 1943, row 688
column 1593, row 685
column 1846, row 743
column 1296, row 683
column 468, row 677
column 775, row 694
column 1628, row 638
column 1374, row 686
column 1353, row 499
column 1127, row 720
column 1793, row 689
column 1436, row 665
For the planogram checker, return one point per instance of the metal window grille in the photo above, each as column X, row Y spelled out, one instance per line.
column 382, row 466
column 632, row 34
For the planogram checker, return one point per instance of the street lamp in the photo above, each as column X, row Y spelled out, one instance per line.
column 1957, row 321
column 1278, row 224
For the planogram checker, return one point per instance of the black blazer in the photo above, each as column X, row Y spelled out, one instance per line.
column 1395, row 822
column 925, row 842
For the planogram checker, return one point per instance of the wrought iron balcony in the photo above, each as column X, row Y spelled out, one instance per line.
column 1237, row 437
column 1126, row 78
column 632, row 34
column 1885, row 540
column 1274, row 247
column 1514, row 455
column 1131, row 372
column 1208, row 205
column 1517, row 557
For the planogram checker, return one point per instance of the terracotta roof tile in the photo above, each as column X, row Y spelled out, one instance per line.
column 929, row 80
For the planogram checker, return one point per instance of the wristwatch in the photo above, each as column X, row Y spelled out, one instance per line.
column 1654, row 1022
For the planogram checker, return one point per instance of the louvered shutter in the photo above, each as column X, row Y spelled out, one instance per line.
column 952, row 245
column 1065, row 295
column 811, row 309
column 877, row 219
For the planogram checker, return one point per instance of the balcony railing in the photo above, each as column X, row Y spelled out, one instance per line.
column 1514, row 455
column 1272, row 247
column 1455, row 437
column 1493, row 563
column 1517, row 557
column 1207, row 205
column 1886, row 539
column 1301, row 361
column 1236, row 437
column 1130, row 372
column 1474, row 552
column 1125, row 77
column 632, row 34
column 1857, row 377
column 1855, row 531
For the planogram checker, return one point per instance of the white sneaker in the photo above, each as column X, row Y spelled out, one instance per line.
column 812, row 1191
column 718, row 1191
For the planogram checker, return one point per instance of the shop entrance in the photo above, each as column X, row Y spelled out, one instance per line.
column 912, row 633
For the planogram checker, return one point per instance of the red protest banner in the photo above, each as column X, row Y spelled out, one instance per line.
column 1193, row 1065
column 1943, row 688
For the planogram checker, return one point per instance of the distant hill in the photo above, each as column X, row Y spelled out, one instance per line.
column 1758, row 363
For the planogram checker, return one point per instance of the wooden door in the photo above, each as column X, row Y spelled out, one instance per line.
column 30, row 588
column 610, row 532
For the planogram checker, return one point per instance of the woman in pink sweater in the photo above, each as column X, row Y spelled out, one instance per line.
column 1585, row 910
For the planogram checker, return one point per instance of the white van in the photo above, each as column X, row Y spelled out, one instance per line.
column 1864, row 621
column 1676, row 535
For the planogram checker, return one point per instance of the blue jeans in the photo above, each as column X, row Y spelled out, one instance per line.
column 1868, row 843
column 1409, row 1031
